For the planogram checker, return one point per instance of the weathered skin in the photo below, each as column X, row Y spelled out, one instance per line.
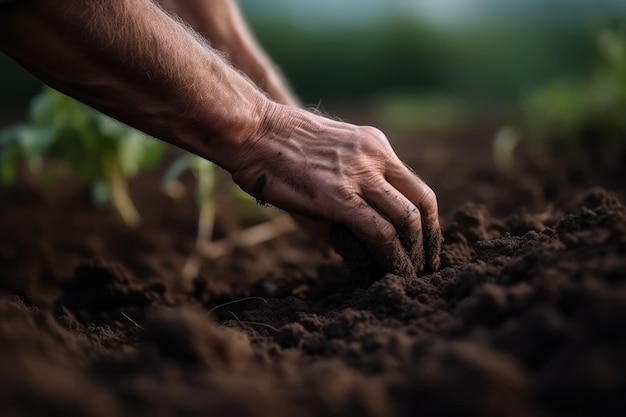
column 134, row 61
column 221, row 23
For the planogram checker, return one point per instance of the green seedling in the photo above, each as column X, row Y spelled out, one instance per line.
column 208, row 180
column 95, row 148
column 205, row 174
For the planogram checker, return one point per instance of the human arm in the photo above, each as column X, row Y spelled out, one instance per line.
column 130, row 60
column 221, row 23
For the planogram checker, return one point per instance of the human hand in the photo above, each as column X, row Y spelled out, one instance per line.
column 305, row 164
column 343, row 174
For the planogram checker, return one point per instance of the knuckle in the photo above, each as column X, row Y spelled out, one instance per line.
column 347, row 195
column 375, row 136
column 376, row 184
column 429, row 202
column 349, row 203
column 373, row 132
column 385, row 233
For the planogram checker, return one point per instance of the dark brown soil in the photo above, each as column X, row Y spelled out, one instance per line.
column 527, row 316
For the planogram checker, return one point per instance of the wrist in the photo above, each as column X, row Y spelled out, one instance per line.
column 226, row 127
column 275, row 131
column 283, row 122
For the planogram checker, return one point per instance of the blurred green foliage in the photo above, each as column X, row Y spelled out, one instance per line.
column 588, row 114
column 498, row 61
column 422, row 113
column 93, row 147
column 205, row 173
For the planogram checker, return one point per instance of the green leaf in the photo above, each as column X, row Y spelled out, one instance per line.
column 110, row 127
column 11, row 134
column 86, row 142
column 138, row 152
column 43, row 108
column 27, row 142
column 152, row 153
column 35, row 143
column 205, row 174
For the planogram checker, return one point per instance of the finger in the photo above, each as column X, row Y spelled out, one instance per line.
column 350, row 247
column 380, row 237
column 363, row 221
column 432, row 243
column 406, row 181
column 405, row 218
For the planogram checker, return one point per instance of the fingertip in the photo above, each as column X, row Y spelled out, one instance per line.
column 371, row 246
column 432, row 247
column 428, row 204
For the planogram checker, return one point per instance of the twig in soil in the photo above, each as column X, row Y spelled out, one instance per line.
column 253, row 323
column 132, row 321
column 251, row 236
column 236, row 301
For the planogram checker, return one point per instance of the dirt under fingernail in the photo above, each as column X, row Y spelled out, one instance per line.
column 432, row 246
column 364, row 270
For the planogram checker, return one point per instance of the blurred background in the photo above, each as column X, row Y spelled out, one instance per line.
column 475, row 48
column 388, row 54
column 364, row 49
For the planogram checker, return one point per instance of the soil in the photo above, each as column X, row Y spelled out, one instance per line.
column 526, row 317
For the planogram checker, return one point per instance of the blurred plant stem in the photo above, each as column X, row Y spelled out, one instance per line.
column 206, row 183
column 118, row 190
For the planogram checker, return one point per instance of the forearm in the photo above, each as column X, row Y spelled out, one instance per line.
column 221, row 22
column 130, row 60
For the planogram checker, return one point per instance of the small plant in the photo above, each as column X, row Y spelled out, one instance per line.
column 208, row 180
column 95, row 148
column 205, row 173
column 104, row 153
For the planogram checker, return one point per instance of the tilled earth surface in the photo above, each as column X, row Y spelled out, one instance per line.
column 527, row 316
